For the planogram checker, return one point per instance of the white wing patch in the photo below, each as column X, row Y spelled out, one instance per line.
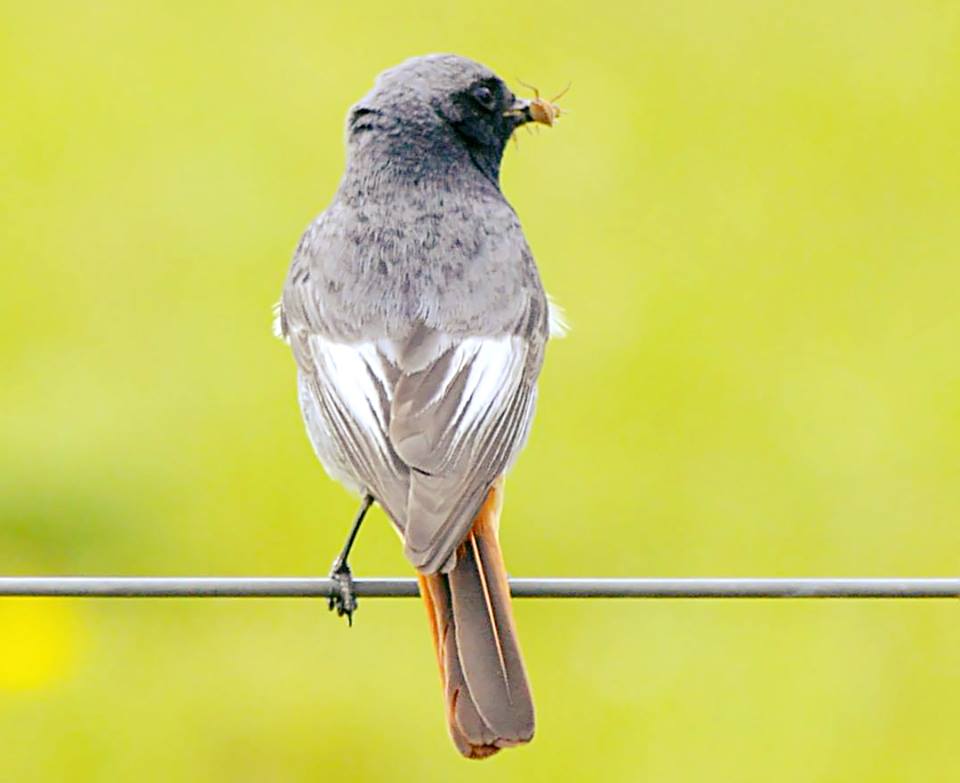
column 496, row 365
column 460, row 391
column 355, row 371
column 346, row 403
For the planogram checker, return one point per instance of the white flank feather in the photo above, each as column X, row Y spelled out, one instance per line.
column 556, row 319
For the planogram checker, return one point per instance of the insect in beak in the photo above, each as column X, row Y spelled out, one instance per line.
column 538, row 109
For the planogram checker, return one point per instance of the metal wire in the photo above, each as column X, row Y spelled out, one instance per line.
column 297, row 587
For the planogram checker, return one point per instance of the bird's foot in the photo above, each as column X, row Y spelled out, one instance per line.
column 343, row 598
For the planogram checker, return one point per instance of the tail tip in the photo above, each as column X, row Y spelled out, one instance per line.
column 480, row 751
column 485, row 750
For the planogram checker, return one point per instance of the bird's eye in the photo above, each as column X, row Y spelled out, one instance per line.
column 484, row 96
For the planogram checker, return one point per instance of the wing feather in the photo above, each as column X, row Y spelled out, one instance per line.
column 351, row 387
column 457, row 456
column 428, row 437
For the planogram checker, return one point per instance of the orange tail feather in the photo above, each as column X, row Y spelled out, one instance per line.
column 488, row 700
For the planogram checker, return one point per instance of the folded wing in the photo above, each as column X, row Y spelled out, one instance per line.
column 426, row 425
column 458, row 422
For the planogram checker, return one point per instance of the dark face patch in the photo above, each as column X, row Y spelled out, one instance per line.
column 481, row 109
column 480, row 117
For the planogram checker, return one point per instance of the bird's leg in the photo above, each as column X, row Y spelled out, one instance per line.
column 343, row 599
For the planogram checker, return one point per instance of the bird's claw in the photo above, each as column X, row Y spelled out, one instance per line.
column 343, row 598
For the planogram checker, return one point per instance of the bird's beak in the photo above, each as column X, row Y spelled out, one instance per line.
column 520, row 111
column 537, row 110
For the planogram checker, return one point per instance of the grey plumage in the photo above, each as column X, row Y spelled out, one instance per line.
column 418, row 323
column 418, row 251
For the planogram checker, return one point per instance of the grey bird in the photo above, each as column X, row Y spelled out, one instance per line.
column 418, row 323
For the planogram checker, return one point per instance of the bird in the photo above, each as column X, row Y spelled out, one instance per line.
column 418, row 323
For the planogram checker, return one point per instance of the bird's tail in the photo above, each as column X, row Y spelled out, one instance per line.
column 489, row 706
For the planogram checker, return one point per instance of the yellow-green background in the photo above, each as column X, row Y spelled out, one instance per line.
column 752, row 216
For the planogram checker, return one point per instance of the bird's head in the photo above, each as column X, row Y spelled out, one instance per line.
column 429, row 111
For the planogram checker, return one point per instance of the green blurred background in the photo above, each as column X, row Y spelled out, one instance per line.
column 752, row 217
